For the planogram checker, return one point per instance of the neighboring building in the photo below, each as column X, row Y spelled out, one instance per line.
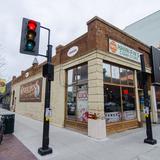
column 6, row 97
column 96, row 88
column 148, row 31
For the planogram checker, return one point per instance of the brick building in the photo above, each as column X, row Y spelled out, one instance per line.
column 96, row 85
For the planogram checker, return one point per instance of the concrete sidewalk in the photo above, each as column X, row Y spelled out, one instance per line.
column 69, row 145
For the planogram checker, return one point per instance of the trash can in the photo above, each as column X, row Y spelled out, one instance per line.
column 8, row 121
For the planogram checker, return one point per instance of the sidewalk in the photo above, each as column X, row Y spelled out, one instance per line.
column 70, row 145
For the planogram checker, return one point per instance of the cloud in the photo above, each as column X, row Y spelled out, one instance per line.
column 66, row 19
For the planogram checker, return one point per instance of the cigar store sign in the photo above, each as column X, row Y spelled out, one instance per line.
column 124, row 51
column 31, row 92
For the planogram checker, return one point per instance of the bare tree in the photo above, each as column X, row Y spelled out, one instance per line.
column 2, row 61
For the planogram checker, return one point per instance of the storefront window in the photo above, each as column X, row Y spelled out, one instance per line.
column 77, row 93
column 123, row 76
column 129, row 108
column 130, row 77
column 71, row 76
column 112, row 106
column 119, row 94
column 107, row 72
column 115, row 74
column 71, row 102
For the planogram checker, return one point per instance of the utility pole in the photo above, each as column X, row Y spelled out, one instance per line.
column 147, row 107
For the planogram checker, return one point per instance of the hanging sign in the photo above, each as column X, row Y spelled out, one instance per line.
column 123, row 51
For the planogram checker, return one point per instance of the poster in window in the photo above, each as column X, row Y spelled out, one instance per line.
column 112, row 116
column 31, row 91
column 82, row 105
column 129, row 115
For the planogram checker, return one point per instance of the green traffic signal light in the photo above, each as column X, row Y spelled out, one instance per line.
column 30, row 45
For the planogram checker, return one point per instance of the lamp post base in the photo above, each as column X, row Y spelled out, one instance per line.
column 150, row 141
column 43, row 152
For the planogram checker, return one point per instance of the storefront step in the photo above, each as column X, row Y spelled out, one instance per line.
column 121, row 126
column 76, row 126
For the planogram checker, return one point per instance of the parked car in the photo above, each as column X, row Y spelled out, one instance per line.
column 111, row 107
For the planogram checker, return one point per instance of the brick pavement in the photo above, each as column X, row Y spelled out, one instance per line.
column 12, row 149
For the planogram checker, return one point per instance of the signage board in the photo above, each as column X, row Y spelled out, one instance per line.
column 82, row 105
column 124, row 51
column 112, row 116
column 155, row 56
column 72, row 51
column 31, row 91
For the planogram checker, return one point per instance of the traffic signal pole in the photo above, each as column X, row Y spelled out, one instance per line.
column 147, row 107
column 29, row 45
column 45, row 149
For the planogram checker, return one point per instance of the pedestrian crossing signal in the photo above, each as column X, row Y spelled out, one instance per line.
column 30, row 37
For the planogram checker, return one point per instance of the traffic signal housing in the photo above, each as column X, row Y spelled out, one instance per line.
column 30, row 37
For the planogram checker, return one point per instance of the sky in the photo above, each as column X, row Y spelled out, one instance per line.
column 67, row 20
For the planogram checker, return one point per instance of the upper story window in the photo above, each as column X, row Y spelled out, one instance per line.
column 77, row 74
column 117, row 75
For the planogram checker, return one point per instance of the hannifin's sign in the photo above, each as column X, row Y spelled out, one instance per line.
column 31, row 92
column 124, row 51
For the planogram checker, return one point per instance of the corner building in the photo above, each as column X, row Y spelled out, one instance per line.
column 96, row 87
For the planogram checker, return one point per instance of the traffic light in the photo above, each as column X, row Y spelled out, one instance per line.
column 30, row 37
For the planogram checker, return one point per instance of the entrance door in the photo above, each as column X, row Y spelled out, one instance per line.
column 141, row 103
column 157, row 90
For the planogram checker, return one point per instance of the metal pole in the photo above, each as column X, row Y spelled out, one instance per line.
column 45, row 149
column 147, row 107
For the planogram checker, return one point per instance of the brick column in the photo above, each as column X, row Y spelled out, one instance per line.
column 97, row 126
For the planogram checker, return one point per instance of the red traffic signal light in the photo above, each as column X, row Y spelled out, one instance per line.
column 30, row 37
column 32, row 25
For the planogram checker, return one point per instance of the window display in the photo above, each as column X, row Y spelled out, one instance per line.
column 115, row 74
column 129, row 108
column 112, row 106
column 107, row 72
column 123, row 76
column 119, row 94
column 77, row 93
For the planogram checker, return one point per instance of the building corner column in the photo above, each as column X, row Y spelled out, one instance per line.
column 96, row 120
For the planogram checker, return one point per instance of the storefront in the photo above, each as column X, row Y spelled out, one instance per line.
column 96, row 89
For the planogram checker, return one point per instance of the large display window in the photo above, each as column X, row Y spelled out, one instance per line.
column 119, row 93
column 77, row 93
